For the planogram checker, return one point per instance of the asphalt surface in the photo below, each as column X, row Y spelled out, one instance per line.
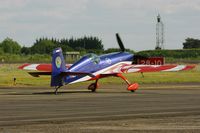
column 153, row 108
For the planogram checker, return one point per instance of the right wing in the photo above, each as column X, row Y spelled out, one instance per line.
column 127, row 68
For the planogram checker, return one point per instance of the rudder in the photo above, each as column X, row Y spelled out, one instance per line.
column 58, row 66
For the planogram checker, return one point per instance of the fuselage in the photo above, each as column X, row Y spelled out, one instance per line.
column 91, row 63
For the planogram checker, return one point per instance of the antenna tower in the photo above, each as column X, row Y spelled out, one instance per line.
column 159, row 33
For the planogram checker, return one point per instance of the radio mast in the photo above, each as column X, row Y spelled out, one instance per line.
column 159, row 33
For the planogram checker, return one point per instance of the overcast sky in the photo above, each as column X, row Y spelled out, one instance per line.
column 135, row 20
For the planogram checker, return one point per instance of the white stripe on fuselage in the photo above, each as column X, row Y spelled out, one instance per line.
column 102, row 71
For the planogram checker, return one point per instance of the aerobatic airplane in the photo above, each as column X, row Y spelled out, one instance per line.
column 93, row 67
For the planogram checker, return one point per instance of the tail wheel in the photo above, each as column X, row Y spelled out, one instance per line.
column 93, row 87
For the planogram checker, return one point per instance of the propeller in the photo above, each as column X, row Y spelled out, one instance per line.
column 121, row 45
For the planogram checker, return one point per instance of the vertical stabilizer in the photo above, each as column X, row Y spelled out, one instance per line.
column 58, row 66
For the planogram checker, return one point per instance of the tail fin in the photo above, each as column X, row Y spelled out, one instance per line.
column 58, row 66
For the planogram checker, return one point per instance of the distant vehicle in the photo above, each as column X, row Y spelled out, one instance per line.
column 93, row 67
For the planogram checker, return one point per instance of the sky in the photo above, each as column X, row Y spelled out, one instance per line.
column 135, row 20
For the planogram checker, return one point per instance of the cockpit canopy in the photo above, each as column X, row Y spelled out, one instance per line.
column 86, row 63
column 93, row 57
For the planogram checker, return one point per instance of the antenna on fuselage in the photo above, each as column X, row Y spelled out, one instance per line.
column 121, row 45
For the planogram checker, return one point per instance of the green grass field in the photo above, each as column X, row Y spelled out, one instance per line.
column 9, row 71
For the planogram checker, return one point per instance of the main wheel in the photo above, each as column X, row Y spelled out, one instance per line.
column 133, row 87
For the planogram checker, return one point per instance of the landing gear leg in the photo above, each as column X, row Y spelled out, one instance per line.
column 93, row 86
column 56, row 90
column 131, row 87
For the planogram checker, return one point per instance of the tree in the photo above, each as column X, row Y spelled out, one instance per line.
column 10, row 46
column 191, row 43
column 110, row 50
column 64, row 44
column 25, row 50
column 1, row 50
column 87, row 43
column 158, row 48
column 43, row 46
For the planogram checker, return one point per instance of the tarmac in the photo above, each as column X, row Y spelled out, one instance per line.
column 164, row 108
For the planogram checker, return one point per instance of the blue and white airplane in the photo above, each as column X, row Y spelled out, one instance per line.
column 93, row 67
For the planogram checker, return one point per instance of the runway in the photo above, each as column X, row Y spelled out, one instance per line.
column 153, row 108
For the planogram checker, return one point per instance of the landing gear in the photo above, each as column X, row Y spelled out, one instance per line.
column 131, row 87
column 93, row 86
column 56, row 90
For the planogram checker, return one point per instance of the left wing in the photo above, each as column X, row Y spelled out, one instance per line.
column 127, row 68
column 39, row 67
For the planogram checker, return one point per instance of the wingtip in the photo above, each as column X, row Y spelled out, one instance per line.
column 188, row 67
column 22, row 66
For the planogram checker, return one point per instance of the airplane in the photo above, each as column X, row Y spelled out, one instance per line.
column 93, row 67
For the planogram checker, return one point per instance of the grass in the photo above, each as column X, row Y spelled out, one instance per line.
column 9, row 71
column 15, row 58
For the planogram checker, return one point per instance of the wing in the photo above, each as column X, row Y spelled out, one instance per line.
column 126, row 68
column 39, row 67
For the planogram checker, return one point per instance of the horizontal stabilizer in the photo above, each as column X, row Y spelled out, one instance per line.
column 37, row 74
column 62, row 74
column 76, row 73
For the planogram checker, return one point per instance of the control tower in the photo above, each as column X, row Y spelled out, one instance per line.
column 159, row 33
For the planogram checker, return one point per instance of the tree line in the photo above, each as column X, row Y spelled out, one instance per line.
column 46, row 45
column 191, row 43
column 84, row 45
